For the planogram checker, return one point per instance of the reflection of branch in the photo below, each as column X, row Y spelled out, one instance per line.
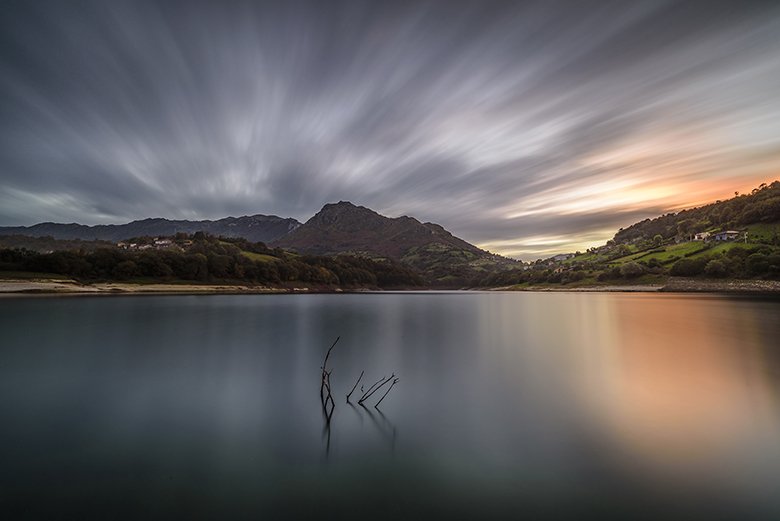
column 374, row 388
column 355, row 386
column 386, row 428
column 326, row 431
column 360, row 416
column 390, row 426
column 395, row 381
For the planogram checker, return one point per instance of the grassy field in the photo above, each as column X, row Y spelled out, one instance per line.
column 585, row 257
column 691, row 250
column 726, row 246
column 262, row 257
column 668, row 254
column 763, row 231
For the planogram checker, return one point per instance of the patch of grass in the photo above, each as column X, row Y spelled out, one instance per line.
column 649, row 278
column 763, row 232
column 628, row 258
column 261, row 257
column 585, row 257
column 726, row 246
column 668, row 254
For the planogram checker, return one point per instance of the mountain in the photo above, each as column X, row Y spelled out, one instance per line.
column 337, row 228
column 346, row 228
column 256, row 228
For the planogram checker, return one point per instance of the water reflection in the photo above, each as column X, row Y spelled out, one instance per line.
column 540, row 403
column 685, row 385
column 384, row 427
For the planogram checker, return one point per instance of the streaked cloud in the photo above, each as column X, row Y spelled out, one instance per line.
column 529, row 128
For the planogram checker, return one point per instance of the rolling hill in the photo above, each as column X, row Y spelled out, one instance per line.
column 256, row 228
column 761, row 205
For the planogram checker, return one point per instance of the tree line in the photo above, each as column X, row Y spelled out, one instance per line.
column 207, row 259
column 744, row 262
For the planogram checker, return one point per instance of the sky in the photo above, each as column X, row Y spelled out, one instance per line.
column 527, row 128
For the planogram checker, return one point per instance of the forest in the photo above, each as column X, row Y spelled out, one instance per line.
column 208, row 259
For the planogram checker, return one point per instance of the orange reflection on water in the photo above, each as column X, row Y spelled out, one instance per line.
column 682, row 383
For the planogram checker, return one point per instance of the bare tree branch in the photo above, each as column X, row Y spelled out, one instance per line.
column 325, row 373
column 395, row 381
column 327, row 355
column 355, row 386
column 370, row 391
column 371, row 388
column 325, row 386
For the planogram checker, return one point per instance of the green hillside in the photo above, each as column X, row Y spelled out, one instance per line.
column 655, row 249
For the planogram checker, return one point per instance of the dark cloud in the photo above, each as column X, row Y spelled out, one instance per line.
column 528, row 127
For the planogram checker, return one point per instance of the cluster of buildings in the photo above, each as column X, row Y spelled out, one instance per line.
column 729, row 235
column 156, row 244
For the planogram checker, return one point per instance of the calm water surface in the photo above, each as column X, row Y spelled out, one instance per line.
column 508, row 406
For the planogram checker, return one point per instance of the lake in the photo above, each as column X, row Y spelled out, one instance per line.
column 508, row 405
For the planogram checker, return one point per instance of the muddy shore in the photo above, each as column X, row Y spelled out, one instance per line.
column 11, row 287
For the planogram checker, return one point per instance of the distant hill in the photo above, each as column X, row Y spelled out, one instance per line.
column 761, row 205
column 339, row 228
column 256, row 228
column 48, row 244
column 730, row 240
column 346, row 228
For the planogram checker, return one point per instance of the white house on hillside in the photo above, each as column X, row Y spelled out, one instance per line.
column 729, row 235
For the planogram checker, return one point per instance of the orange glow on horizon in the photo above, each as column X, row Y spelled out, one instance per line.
column 623, row 195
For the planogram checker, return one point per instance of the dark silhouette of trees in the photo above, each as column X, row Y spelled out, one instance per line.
column 204, row 258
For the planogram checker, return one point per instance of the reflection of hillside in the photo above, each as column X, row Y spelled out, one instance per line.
column 694, row 382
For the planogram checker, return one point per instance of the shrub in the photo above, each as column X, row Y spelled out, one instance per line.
column 631, row 270
column 757, row 264
column 610, row 274
column 125, row 270
column 572, row 276
column 688, row 267
column 716, row 268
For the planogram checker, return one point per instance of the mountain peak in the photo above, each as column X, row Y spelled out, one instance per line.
column 346, row 228
column 343, row 205
column 347, row 215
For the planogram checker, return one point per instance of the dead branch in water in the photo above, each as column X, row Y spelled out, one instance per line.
column 327, row 355
column 374, row 388
column 371, row 388
column 325, row 386
column 324, row 367
column 395, row 381
column 355, row 386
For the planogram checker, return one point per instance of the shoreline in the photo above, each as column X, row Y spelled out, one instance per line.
column 671, row 285
column 69, row 287
column 735, row 286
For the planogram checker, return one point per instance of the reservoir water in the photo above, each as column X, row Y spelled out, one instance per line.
column 508, row 406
